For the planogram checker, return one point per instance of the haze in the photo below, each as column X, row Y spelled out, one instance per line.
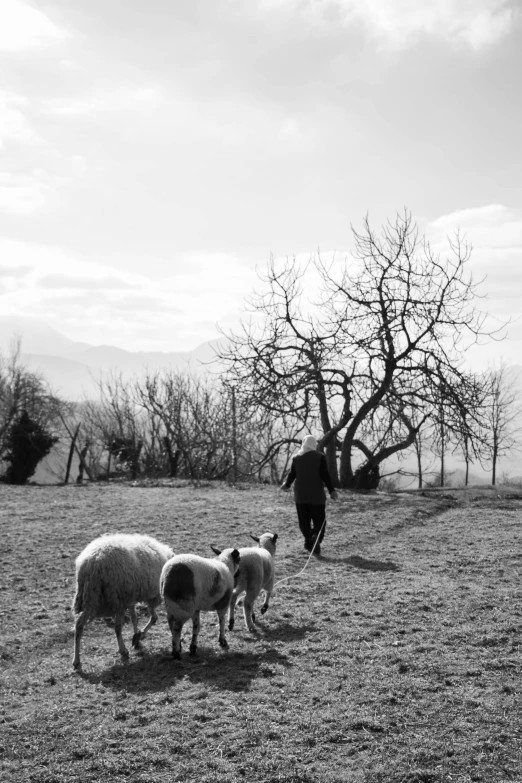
column 153, row 154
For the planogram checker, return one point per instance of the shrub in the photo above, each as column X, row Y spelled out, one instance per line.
column 27, row 443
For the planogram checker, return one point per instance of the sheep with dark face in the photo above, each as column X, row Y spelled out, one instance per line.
column 255, row 574
column 113, row 574
column 191, row 584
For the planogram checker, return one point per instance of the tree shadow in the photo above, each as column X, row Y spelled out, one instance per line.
column 152, row 673
column 363, row 563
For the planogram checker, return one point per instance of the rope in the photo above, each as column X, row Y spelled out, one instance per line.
column 294, row 576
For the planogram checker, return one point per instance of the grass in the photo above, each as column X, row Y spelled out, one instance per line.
column 395, row 657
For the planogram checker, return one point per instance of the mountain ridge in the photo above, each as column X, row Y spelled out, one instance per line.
column 73, row 368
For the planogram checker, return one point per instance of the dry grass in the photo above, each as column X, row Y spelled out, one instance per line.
column 394, row 658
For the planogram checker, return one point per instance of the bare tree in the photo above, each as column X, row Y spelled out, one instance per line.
column 367, row 354
column 466, row 419
column 285, row 363
column 192, row 412
column 502, row 416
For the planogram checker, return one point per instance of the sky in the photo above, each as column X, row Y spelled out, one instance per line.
column 154, row 155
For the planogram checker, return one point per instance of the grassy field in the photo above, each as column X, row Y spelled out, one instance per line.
column 395, row 657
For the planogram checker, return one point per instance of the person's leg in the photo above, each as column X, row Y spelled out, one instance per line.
column 304, row 518
column 318, row 514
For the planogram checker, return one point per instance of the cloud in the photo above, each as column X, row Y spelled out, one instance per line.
column 65, row 282
column 27, row 193
column 495, row 233
column 98, row 304
column 14, row 271
column 400, row 23
column 14, row 126
column 143, row 99
column 396, row 24
column 23, row 27
column 491, row 226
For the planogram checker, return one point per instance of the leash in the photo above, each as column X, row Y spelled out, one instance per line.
column 303, row 569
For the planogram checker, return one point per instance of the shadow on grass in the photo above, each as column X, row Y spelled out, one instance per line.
column 363, row 563
column 286, row 631
column 232, row 671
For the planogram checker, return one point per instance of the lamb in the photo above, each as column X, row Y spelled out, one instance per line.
column 191, row 584
column 113, row 573
column 256, row 574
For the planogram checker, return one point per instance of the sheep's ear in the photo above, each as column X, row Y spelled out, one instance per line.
column 215, row 550
column 236, row 557
column 274, row 538
column 255, row 538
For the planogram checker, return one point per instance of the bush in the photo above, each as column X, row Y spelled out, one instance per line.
column 27, row 443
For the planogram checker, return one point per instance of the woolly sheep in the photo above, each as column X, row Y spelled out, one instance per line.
column 113, row 573
column 255, row 574
column 191, row 584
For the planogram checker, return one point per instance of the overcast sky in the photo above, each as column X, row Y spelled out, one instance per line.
column 153, row 153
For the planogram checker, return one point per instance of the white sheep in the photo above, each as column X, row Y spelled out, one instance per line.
column 255, row 574
column 113, row 573
column 191, row 584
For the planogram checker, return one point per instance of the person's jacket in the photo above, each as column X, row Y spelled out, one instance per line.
column 309, row 471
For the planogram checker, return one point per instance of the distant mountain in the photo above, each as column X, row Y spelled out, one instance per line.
column 73, row 368
column 105, row 357
column 36, row 337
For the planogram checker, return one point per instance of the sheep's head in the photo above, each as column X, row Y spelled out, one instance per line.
column 267, row 541
column 229, row 556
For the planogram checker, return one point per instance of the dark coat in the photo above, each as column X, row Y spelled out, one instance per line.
column 310, row 473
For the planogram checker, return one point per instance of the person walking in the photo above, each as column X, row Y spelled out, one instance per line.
column 309, row 471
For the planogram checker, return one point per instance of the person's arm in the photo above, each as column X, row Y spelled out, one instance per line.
column 325, row 476
column 290, row 478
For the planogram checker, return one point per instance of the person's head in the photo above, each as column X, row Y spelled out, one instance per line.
column 308, row 443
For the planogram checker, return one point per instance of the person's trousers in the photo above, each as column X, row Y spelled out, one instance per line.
column 311, row 517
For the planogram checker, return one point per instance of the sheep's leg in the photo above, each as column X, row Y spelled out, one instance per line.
column 248, row 611
column 196, row 625
column 78, row 633
column 233, row 601
column 139, row 635
column 221, row 608
column 119, row 621
column 134, row 621
column 222, row 614
column 176, row 626
column 268, row 593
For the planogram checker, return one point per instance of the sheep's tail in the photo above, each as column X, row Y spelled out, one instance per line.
column 77, row 606
column 87, row 593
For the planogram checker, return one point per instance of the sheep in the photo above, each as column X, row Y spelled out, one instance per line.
column 256, row 574
column 113, row 573
column 190, row 584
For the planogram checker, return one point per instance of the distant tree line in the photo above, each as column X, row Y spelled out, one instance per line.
column 372, row 361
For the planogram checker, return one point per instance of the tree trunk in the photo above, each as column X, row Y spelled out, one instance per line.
column 330, row 453
column 71, row 452
column 173, row 457
column 135, row 467
column 367, row 476
column 109, row 460
column 346, row 472
column 329, row 439
column 418, row 450
column 234, row 436
column 442, row 455
column 83, row 466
